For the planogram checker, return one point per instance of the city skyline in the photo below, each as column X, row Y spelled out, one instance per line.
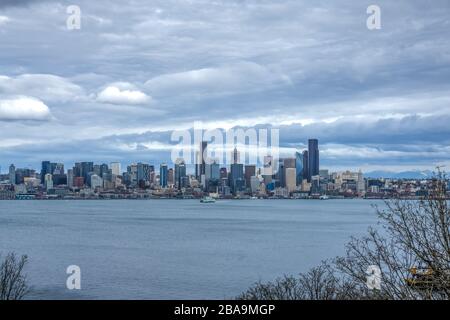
column 298, row 176
column 116, row 88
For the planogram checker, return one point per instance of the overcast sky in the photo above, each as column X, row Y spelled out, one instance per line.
column 138, row 69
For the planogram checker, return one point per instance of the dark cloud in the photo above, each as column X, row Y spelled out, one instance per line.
column 18, row 3
column 311, row 68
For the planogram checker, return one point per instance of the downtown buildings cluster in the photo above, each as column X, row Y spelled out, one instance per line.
column 290, row 177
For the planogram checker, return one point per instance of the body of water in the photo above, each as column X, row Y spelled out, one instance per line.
column 174, row 249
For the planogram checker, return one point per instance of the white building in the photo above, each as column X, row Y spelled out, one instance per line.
column 115, row 168
column 291, row 179
column 255, row 184
column 96, row 181
column 48, row 181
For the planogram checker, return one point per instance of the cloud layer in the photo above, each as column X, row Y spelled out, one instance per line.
column 115, row 95
column 23, row 108
column 136, row 70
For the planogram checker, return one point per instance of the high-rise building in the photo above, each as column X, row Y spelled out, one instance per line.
column 290, row 179
column 237, row 181
column 289, row 163
column 170, row 177
column 280, row 175
column 313, row 157
column 223, row 173
column 70, row 177
column 163, row 175
column 299, row 168
column 45, row 168
column 236, row 156
column 86, row 168
column 212, row 171
column 254, row 184
column 249, row 172
column 77, row 170
column 143, row 173
column 104, row 169
column 48, row 181
column 306, row 166
column 115, row 168
column 132, row 171
column 12, row 174
column 57, row 168
column 201, row 157
column 212, row 176
column 180, row 173
column 96, row 169
column 96, row 181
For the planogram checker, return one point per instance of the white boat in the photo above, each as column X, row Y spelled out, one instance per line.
column 324, row 197
column 207, row 200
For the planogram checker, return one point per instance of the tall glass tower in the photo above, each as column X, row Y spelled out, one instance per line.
column 299, row 168
column 163, row 173
column 313, row 157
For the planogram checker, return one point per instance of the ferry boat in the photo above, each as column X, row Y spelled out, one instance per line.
column 207, row 200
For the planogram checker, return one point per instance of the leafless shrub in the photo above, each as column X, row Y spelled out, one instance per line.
column 412, row 250
column 13, row 284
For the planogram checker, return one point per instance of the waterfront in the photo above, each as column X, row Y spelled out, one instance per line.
column 165, row 249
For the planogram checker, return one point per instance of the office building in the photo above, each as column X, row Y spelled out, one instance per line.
column 291, row 179
column 201, row 157
column 115, row 168
column 313, row 157
column 12, row 174
column 163, row 175
column 249, row 172
column 48, row 181
column 180, row 173
column 298, row 168
column 306, row 166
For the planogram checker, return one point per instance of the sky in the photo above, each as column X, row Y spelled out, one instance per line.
column 136, row 70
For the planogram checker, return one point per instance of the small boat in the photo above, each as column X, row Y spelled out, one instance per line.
column 207, row 200
column 324, row 197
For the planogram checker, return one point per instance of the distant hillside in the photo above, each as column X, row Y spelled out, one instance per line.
column 400, row 175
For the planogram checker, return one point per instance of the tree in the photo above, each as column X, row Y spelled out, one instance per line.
column 411, row 249
column 13, row 284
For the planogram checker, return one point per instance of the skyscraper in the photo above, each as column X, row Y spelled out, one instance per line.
column 143, row 173
column 115, row 167
column 280, row 175
column 12, row 174
column 249, row 172
column 268, row 169
column 180, row 173
column 86, row 168
column 289, row 163
column 298, row 168
column 313, row 157
column 237, row 181
column 236, row 156
column 163, row 175
column 70, row 178
column 45, row 168
column 48, row 181
column 201, row 157
column 306, row 166
column 290, row 178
